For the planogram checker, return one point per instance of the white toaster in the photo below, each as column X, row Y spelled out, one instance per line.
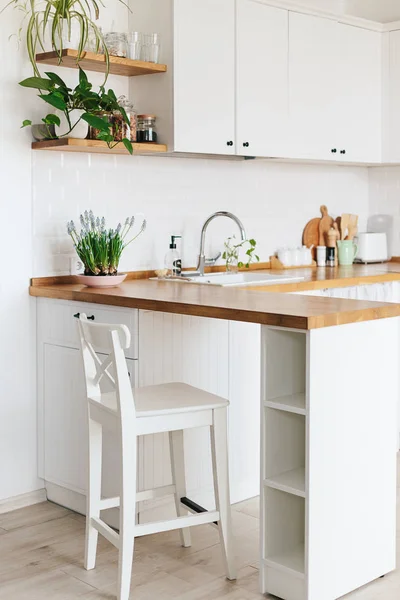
column 372, row 247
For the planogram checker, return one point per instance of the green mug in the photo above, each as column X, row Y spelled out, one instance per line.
column 347, row 252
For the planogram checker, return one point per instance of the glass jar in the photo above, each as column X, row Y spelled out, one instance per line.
column 146, row 129
column 116, row 44
column 121, row 129
column 93, row 132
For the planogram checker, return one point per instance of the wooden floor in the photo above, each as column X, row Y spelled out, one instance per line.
column 41, row 552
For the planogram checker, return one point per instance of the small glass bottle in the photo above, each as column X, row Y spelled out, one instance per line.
column 173, row 261
column 146, row 129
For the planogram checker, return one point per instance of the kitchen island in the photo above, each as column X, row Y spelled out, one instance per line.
column 329, row 394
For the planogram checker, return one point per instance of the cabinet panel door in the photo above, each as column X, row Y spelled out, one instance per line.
column 204, row 76
column 360, row 93
column 392, row 91
column 262, row 79
column 312, row 86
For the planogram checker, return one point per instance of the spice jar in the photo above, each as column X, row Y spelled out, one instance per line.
column 121, row 129
column 146, row 129
column 116, row 43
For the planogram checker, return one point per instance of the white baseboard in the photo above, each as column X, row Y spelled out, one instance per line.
column 22, row 501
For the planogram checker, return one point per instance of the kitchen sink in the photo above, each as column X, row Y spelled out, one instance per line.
column 239, row 279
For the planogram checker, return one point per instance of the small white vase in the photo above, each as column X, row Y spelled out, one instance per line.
column 79, row 131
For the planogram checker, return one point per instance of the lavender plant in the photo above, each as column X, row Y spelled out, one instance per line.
column 98, row 248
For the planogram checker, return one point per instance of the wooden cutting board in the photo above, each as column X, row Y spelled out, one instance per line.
column 311, row 235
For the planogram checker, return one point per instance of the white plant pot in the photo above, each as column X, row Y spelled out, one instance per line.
column 79, row 131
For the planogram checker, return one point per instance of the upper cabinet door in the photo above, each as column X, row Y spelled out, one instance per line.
column 204, row 76
column 261, row 79
column 312, row 86
column 359, row 93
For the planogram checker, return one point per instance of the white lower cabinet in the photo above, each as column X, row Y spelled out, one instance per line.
column 219, row 356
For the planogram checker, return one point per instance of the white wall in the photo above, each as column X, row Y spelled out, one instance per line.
column 17, row 310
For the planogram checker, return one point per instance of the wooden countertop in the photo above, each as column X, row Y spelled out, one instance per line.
column 244, row 304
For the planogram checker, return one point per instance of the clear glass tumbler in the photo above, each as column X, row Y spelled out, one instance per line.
column 151, row 47
column 135, row 45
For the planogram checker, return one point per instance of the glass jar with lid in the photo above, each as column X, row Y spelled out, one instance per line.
column 146, row 129
column 116, row 43
column 121, row 129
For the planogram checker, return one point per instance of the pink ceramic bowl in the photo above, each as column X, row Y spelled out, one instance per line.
column 101, row 281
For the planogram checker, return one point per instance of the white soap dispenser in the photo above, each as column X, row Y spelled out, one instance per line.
column 173, row 260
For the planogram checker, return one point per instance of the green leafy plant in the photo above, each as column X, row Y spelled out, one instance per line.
column 232, row 253
column 54, row 18
column 98, row 248
column 96, row 106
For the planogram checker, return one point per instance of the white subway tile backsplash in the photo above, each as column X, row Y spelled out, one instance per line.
column 274, row 201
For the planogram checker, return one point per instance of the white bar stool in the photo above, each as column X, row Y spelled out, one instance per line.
column 170, row 407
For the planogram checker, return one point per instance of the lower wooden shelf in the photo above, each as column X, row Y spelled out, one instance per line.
column 96, row 146
column 291, row 482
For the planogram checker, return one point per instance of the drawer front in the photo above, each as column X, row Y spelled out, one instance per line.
column 57, row 325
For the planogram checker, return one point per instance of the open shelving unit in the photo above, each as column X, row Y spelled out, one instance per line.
column 90, row 61
column 284, row 472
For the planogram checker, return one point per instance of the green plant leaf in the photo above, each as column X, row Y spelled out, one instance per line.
column 54, row 100
column 96, row 122
column 128, row 145
column 52, row 120
column 58, row 81
column 82, row 76
column 253, row 242
column 37, row 83
column 26, row 123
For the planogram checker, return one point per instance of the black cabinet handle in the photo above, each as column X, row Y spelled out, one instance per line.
column 246, row 144
column 334, row 150
column 89, row 318
column 229, row 143
column 343, row 152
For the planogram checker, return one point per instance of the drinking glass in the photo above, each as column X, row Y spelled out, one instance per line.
column 135, row 45
column 151, row 47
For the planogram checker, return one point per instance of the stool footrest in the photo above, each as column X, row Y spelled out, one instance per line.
column 106, row 531
column 178, row 523
column 194, row 507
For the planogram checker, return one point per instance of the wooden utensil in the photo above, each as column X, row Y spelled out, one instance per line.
column 311, row 235
column 324, row 226
column 344, row 225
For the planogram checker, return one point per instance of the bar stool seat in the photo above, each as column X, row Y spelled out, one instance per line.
column 170, row 407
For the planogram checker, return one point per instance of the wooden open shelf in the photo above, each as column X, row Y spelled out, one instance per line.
column 91, row 61
column 96, row 146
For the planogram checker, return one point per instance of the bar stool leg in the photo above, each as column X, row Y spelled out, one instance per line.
column 219, row 447
column 179, row 480
column 127, row 516
column 93, row 493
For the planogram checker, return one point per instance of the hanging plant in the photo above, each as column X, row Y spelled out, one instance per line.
column 61, row 23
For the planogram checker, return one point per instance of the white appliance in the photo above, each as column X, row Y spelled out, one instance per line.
column 372, row 248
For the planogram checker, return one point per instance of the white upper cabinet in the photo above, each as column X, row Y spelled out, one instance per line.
column 204, row 76
column 391, row 126
column 359, row 94
column 312, row 86
column 262, row 45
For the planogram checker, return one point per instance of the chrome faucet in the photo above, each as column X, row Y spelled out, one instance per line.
column 203, row 261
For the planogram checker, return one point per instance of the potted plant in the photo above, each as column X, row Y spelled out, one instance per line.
column 78, row 108
column 61, row 24
column 100, row 249
column 232, row 254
